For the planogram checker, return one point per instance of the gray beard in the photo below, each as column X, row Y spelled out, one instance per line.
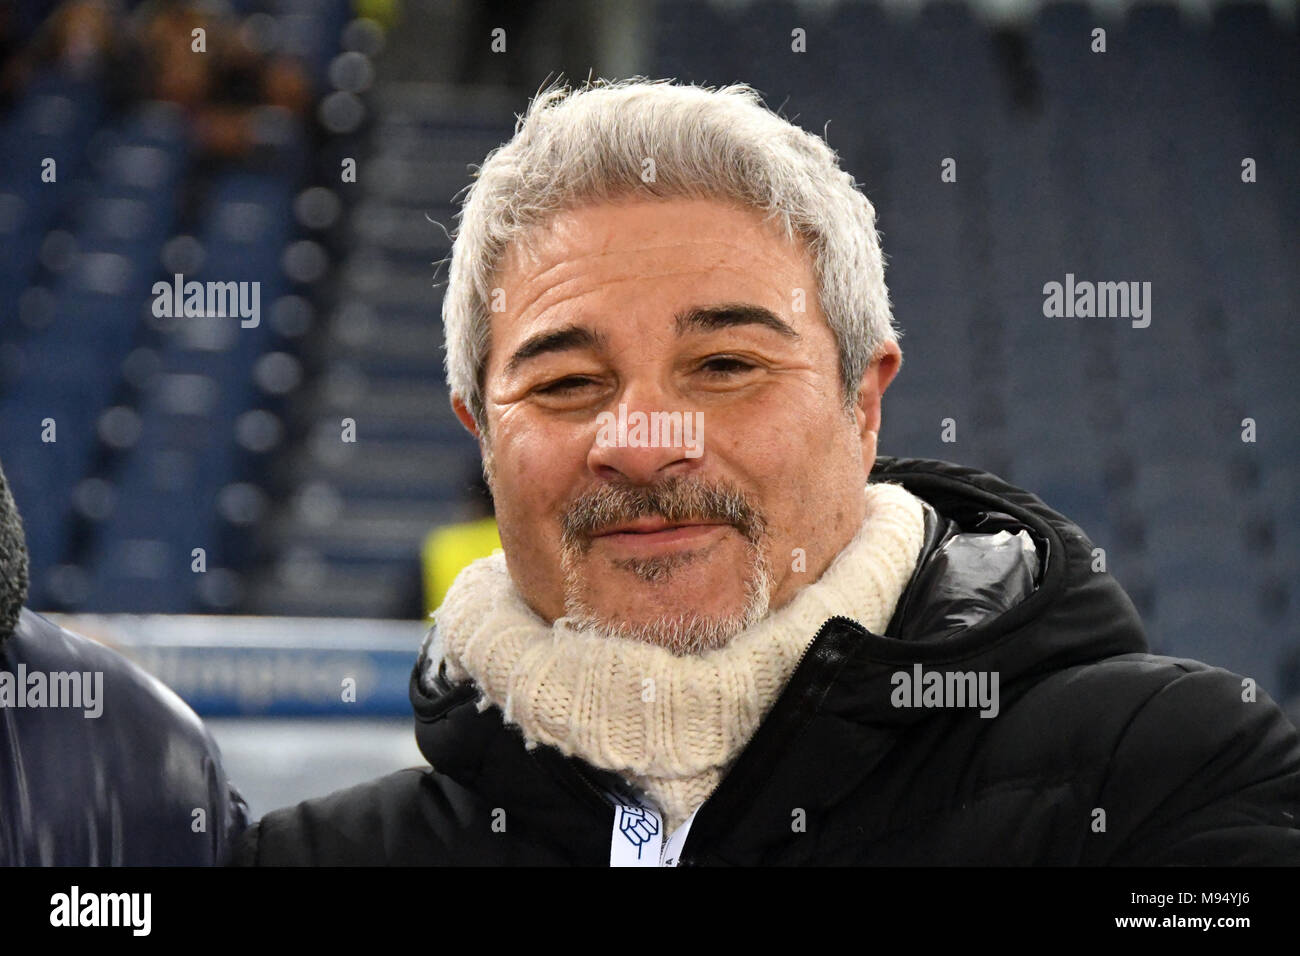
column 680, row 634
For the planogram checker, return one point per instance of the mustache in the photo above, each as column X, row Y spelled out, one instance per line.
column 679, row 498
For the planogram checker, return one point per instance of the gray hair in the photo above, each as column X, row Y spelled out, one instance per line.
column 593, row 144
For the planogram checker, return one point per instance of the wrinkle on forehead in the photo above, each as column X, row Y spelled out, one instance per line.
column 567, row 245
column 538, row 242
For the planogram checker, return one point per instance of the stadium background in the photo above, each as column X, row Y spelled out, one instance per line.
column 229, row 165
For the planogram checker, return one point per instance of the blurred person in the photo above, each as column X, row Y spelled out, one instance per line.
column 449, row 548
column 100, row 764
column 220, row 89
column 754, row 640
column 80, row 39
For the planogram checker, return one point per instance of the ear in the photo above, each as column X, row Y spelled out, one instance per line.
column 466, row 419
column 866, row 409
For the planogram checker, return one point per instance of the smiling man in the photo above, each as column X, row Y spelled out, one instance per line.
column 677, row 305
column 769, row 646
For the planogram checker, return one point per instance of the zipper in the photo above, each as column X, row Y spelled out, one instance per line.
column 686, row 858
column 598, row 799
column 820, row 631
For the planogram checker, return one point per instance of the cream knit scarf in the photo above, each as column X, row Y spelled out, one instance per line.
column 670, row 725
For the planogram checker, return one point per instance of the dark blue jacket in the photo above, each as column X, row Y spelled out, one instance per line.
column 122, row 773
column 141, row 784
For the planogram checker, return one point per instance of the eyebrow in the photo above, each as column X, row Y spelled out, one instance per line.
column 694, row 319
column 558, row 340
column 712, row 318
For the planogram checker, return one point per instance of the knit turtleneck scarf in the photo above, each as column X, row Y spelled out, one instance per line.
column 671, row 725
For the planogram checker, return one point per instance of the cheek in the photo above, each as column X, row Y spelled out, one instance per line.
column 780, row 436
column 538, row 469
column 797, row 460
column 766, row 456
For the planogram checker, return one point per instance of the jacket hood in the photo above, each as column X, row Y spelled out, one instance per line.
column 13, row 561
column 967, row 596
column 1004, row 584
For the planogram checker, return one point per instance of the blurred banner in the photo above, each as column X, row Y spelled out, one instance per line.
column 261, row 666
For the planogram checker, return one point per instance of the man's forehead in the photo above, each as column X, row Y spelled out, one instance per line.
column 627, row 237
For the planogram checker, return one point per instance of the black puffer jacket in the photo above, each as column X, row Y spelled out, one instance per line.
column 1100, row 753
column 128, row 777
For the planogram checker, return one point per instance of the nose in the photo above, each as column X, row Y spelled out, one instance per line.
column 645, row 439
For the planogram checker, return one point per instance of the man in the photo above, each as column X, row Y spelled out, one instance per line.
column 100, row 764
column 722, row 631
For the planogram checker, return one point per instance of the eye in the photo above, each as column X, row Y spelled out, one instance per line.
column 724, row 365
column 563, row 386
